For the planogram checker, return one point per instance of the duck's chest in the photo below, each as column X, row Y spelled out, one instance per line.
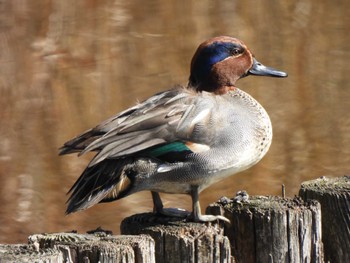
column 241, row 131
column 240, row 117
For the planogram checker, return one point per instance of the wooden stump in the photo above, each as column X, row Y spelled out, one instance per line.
column 28, row 253
column 72, row 247
column 178, row 241
column 272, row 229
column 334, row 196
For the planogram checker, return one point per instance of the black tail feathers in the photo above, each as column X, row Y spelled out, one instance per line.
column 103, row 182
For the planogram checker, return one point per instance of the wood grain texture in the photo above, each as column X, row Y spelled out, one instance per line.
column 73, row 247
column 272, row 229
column 178, row 241
column 334, row 196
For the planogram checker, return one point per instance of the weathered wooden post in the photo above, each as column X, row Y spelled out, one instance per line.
column 272, row 229
column 262, row 229
column 74, row 248
column 178, row 241
column 334, row 196
column 18, row 253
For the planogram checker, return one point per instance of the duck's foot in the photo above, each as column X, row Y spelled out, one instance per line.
column 174, row 212
column 171, row 212
column 197, row 214
column 209, row 218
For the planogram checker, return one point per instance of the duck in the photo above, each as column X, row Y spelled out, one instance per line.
column 179, row 141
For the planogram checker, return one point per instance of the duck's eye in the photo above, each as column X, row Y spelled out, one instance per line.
column 236, row 52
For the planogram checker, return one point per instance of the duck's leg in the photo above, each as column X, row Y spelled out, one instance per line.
column 172, row 212
column 157, row 203
column 197, row 214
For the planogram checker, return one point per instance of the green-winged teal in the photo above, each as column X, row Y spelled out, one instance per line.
column 181, row 140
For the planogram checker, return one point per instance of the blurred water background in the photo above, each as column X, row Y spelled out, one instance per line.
column 65, row 66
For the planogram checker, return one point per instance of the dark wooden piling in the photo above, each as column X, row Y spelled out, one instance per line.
column 179, row 241
column 334, row 196
column 272, row 229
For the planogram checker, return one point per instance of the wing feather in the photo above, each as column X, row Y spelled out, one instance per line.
column 167, row 117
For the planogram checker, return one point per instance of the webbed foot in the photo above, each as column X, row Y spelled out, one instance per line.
column 209, row 218
column 197, row 214
column 171, row 212
column 174, row 212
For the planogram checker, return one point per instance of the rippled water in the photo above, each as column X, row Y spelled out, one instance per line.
column 66, row 66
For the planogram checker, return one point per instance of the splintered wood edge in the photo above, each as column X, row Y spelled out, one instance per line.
column 99, row 243
column 26, row 253
column 47, row 240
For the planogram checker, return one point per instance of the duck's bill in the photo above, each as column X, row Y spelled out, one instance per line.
column 259, row 69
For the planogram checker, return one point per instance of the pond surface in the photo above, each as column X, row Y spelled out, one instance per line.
column 66, row 66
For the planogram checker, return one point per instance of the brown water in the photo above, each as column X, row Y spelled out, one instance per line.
column 67, row 65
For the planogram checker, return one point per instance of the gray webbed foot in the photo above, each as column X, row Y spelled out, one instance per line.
column 174, row 212
column 197, row 214
column 171, row 212
column 210, row 218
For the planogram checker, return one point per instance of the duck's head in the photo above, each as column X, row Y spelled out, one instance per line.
column 219, row 62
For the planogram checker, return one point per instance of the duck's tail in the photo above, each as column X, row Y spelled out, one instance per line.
column 106, row 181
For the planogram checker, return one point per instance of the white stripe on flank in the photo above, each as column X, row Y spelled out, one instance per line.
column 197, row 147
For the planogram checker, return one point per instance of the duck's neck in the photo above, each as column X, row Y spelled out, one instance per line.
column 218, row 81
column 216, row 87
